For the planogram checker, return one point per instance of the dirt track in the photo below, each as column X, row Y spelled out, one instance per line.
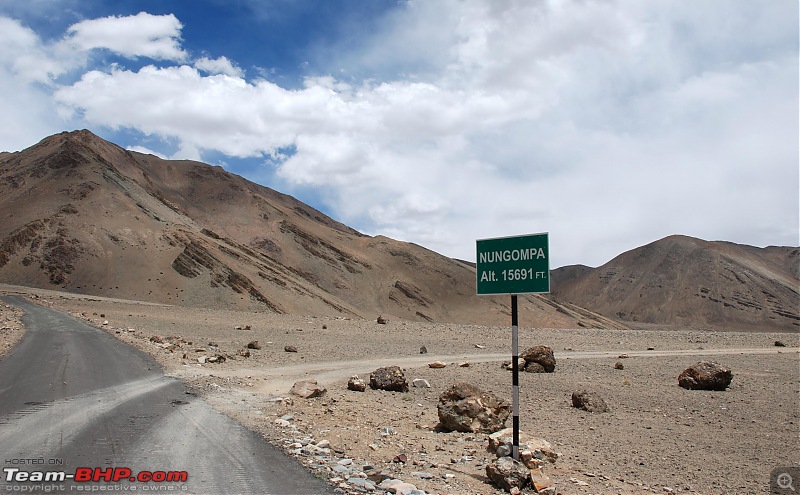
column 657, row 437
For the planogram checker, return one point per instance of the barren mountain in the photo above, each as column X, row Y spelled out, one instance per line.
column 680, row 280
column 84, row 215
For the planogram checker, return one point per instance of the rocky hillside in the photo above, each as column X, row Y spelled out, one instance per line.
column 680, row 280
column 84, row 215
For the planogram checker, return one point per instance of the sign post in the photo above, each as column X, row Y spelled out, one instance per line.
column 513, row 265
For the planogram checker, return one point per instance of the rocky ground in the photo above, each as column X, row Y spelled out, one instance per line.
column 11, row 329
column 656, row 438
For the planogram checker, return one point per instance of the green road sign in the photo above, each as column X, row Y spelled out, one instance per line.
column 513, row 265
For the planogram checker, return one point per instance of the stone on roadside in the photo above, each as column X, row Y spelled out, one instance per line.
column 420, row 383
column 362, row 483
column 705, row 375
column 307, row 389
column 589, row 402
column 437, row 364
column 381, row 320
column 506, row 473
column 253, row 345
column 466, row 408
column 390, row 378
column 356, row 384
column 619, row 366
column 290, row 348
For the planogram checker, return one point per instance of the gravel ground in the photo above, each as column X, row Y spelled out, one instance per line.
column 11, row 329
column 657, row 437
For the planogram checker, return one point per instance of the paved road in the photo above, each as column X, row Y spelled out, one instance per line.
column 72, row 396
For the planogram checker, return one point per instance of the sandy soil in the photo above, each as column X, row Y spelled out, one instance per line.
column 657, row 438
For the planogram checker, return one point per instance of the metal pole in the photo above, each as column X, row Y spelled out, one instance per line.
column 515, row 373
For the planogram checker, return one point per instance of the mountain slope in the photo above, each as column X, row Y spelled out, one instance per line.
column 84, row 215
column 680, row 280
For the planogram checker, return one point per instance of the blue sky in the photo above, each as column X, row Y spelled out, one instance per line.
column 608, row 123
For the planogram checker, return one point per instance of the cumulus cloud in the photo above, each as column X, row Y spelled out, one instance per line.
column 141, row 35
column 609, row 124
column 219, row 65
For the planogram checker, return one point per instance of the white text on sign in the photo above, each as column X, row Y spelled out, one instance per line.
column 515, row 274
column 511, row 255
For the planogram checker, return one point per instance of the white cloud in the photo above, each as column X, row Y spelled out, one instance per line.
column 24, row 56
column 607, row 123
column 141, row 35
column 219, row 65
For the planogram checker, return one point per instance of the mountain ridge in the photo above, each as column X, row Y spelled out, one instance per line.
column 681, row 280
column 87, row 216
column 84, row 215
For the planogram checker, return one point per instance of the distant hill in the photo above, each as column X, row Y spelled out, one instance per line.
column 680, row 280
column 84, row 215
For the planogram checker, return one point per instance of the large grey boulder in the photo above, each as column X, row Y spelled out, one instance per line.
column 466, row 408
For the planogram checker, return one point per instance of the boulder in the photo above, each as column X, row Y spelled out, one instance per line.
column 253, row 345
column 356, row 384
column 307, row 389
column 542, row 355
column 506, row 473
column 466, row 408
column 421, row 383
column 539, row 448
column 390, row 378
column 705, row 375
column 589, row 402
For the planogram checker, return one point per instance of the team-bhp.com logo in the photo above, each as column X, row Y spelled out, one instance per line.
column 94, row 475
